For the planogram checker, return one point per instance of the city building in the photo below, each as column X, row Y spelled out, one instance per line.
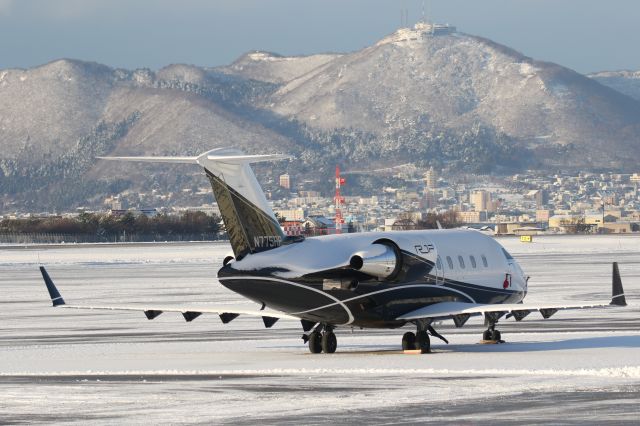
column 292, row 227
column 318, row 225
column 285, row 181
column 472, row 216
column 291, row 214
column 431, row 178
column 480, row 200
column 543, row 215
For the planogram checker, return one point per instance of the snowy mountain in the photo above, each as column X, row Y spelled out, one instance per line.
column 274, row 68
column 57, row 117
column 412, row 82
column 46, row 110
column 627, row 82
column 450, row 100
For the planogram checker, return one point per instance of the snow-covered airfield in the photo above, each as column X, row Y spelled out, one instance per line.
column 62, row 365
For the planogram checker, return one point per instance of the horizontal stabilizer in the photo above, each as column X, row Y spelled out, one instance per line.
column 227, row 159
column 247, row 158
column 182, row 160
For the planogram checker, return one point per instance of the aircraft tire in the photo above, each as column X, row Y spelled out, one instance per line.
column 496, row 335
column 315, row 342
column 408, row 341
column 423, row 343
column 487, row 335
column 329, row 342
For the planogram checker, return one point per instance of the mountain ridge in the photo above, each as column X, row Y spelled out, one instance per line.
column 451, row 100
column 624, row 81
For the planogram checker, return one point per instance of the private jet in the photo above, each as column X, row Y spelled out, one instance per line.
column 365, row 280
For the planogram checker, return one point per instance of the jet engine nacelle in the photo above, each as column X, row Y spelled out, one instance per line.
column 380, row 260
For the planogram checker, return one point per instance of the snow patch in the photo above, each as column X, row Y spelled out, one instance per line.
column 264, row 56
column 527, row 70
column 626, row 372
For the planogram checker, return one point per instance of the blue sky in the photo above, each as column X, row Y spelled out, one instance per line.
column 586, row 35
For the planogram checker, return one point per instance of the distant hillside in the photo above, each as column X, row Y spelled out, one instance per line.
column 411, row 86
column 453, row 101
column 57, row 117
column 627, row 82
column 274, row 68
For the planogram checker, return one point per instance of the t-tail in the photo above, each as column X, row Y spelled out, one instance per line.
column 247, row 216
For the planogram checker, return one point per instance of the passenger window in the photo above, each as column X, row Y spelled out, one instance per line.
column 450, row 262
column 484, row 261
column 473, row 261
column 439, row 264
column 461, row 260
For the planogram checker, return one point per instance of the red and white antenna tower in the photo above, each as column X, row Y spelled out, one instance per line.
column 339, row 200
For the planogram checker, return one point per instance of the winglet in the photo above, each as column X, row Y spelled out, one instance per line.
column 617, row 292
column 56, row 299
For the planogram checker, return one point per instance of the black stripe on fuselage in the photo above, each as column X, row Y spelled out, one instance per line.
column 371, row 304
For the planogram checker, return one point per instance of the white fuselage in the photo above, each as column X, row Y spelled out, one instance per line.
column 465, row 256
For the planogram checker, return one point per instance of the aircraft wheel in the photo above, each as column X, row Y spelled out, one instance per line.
column 423, row 343
column 329, row 342
column 487, row 335
column 495, row 335
column 315, row 343
column 408, row 341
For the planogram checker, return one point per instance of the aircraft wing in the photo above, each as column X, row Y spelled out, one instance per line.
column 226, row 313
column 460, row 312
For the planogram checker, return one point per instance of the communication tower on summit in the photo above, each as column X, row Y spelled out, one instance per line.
column 339, row 201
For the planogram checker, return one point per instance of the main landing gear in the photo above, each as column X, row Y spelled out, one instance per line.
column 492, row 335
column 416, row 341
column 420, row 340
column 322, row 339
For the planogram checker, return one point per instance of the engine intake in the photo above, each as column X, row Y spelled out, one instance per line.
column 380, row 261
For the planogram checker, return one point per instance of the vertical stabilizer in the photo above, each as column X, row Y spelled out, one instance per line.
column 247, row 216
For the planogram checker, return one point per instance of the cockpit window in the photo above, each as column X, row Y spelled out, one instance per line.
column 507, row 255
column 439, row 264
column 461, row 261
column 484, row 261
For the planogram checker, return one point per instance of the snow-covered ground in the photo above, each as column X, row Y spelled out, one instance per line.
column 61, row 365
